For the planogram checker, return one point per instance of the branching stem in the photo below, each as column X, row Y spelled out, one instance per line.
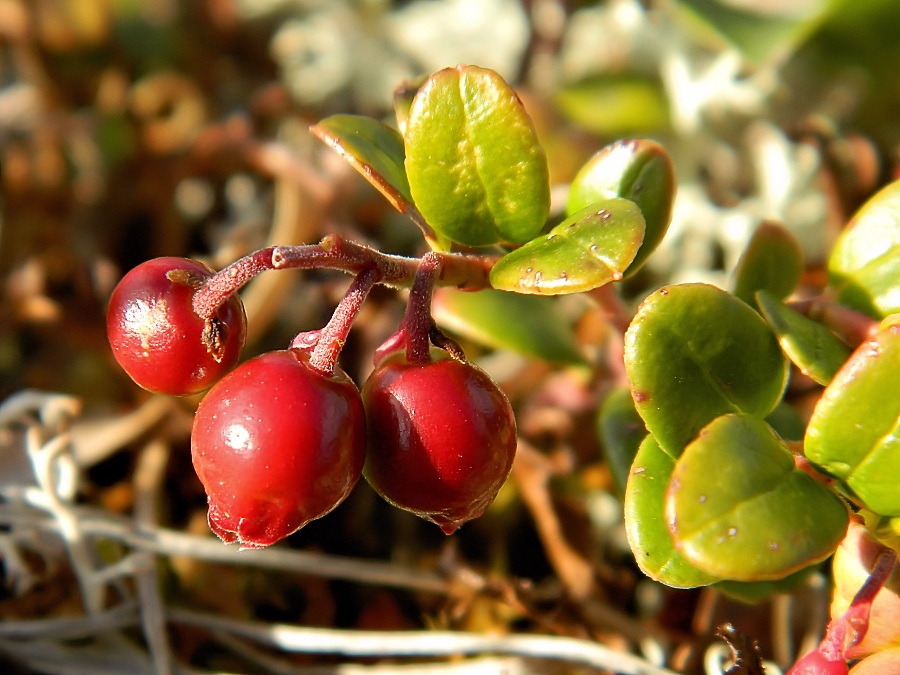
column 468, row 272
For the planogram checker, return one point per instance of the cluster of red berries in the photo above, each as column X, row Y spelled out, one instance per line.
column 280, row 440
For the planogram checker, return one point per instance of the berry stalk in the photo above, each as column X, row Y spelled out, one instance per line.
column 417, row 321
column 333, row 336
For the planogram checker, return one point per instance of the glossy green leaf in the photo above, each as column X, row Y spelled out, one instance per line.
column 854, row 432
column 616, row 105
column 771, row 262
column 694, row 352
column 476, row 170
column 740, row 509
column 640, row 170
column 814, row 349
column 645, row 525
column 621, row 431
column 588, row 249
column 527, row 325
column 373, row 149
column 864, row 266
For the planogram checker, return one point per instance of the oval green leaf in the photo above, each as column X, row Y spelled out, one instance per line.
column 372, row 148
column 645, row 526
column 864, row 265
column 621, row 431
column 530, row 326
column 739, row 508
column 772, row 262
column 814, row 349
column 587, row 250
column 694, row 352
column 854, row 432
column 640, row 170
column 476, row 170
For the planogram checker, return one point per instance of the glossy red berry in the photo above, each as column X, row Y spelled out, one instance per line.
column 277, row 444
column 816, row 663
column 442, row 438
column 157, row 337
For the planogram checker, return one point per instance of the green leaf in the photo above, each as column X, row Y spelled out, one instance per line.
column 616, row 105
column 864, row 265
column 621, row 431
column 476, row 170
column 740, row 509
column 854, row 432
column 527, row 325
column 373, row 149
column 586, row 250
column 694, row 352
column 814, row 349
column 772, row 262
column 787, row 422
column 756, row 591
column 761, row 31
column 645, row 526
column 640, row 170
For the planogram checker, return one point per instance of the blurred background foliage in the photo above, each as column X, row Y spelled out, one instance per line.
column 131, row 129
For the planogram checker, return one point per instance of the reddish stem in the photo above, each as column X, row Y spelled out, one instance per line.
column 417, row 322
column 849, row 325
column 469, row 272
column 333, row 336
column 614, row 309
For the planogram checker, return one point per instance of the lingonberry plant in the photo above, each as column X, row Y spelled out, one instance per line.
column 723, row 482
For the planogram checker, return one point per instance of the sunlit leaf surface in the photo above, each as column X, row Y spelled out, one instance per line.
column 854, row 432
column 588, row 249
column 694, row 352
column 739, row 508
column 476, row 170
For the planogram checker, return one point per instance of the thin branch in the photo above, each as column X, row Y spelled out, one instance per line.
column 172, row 543
column 384, row 644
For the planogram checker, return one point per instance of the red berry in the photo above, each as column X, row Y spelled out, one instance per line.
column 815, row 663
column 157, row 337
column 277, row 444
column 442, row 438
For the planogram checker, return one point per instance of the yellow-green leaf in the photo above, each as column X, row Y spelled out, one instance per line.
column 476, row 170
column 590, row 248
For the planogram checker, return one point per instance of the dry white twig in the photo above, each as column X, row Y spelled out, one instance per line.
column 419, row 644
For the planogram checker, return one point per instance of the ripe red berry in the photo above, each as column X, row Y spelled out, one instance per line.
column 815, row 663
column 277, row 444
column 157, row 337
column 442, row 438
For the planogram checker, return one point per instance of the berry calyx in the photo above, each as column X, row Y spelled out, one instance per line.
column 442, row 438
column 276, row 444
column 158, row 339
